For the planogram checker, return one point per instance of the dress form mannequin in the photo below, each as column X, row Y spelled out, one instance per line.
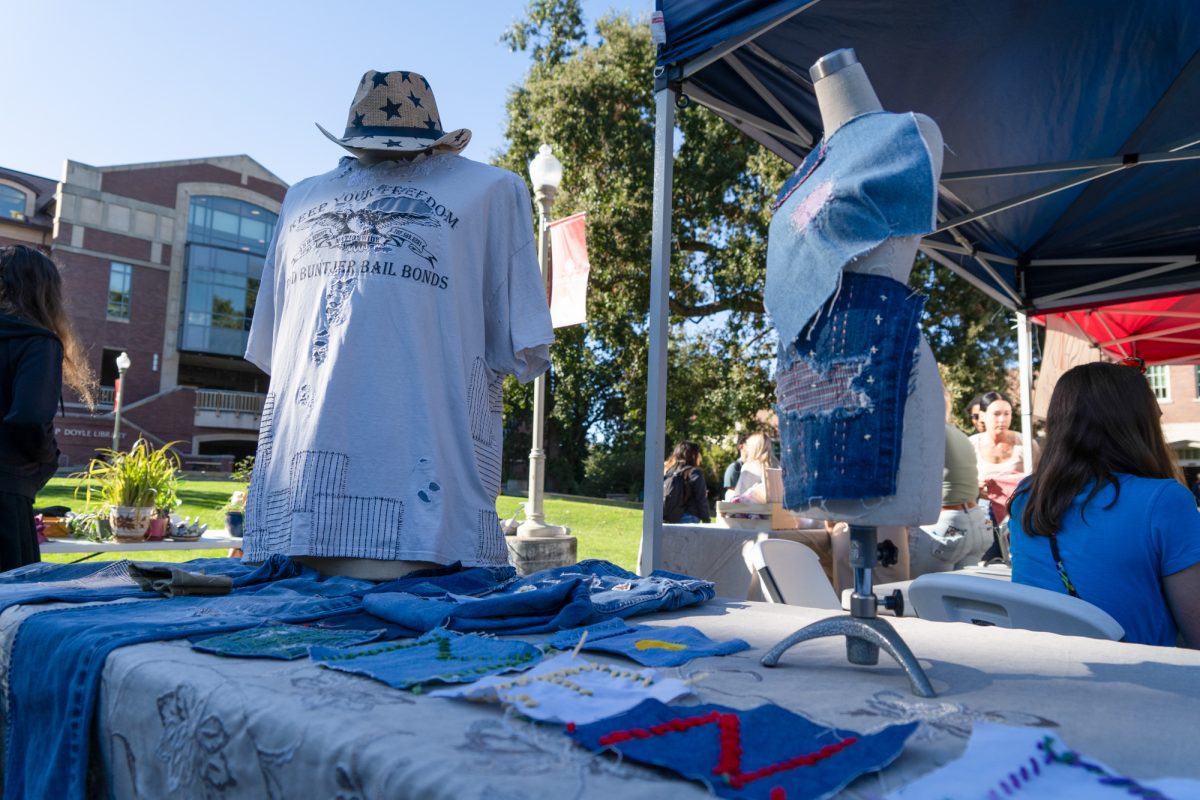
column 842, row 95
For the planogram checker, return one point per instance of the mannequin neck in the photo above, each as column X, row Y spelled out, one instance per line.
column 843, row 96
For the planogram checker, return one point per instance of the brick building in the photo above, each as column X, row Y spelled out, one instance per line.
column 161, row 261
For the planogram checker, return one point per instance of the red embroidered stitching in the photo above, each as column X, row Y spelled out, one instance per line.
column 729, row 764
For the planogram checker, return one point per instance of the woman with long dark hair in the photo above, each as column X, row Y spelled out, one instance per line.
column 685, row 492
column 1106, row 517
column 37, row 351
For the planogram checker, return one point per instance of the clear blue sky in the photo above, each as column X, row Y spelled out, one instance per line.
column 151, row 80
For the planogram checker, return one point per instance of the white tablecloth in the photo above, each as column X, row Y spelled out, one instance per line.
column 179, row 723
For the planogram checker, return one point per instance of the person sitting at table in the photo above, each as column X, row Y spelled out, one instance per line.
column 685, row 493
column 1106, row 517
column 734, row 470
column 751, row 484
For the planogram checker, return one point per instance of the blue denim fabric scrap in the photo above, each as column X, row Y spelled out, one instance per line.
column 871, row 181
column 767, row 735
column 90, row 583
column 565, row 640
column 284, row 642
column 841, row 390
column 664, row 647
column 546, row 601
column 58, row 656
column 439, row 656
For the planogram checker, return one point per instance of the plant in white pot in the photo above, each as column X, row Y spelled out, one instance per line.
column 133, row 485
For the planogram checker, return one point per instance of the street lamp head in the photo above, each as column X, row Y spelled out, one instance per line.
column 123, row 361
column 545, row 170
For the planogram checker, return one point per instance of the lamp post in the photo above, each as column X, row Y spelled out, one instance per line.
column 545, row 171
column 123, row 363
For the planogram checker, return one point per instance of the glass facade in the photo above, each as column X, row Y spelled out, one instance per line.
column 226, row 242
column 12, row 203
column 120, row 288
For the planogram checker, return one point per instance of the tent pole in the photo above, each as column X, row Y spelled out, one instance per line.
column 1025, row 360
column 656, row 371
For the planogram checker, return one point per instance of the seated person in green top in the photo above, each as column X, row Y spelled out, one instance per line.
column 1106, row 516
column 962, row 533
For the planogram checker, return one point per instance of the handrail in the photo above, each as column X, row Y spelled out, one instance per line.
column 222, row 400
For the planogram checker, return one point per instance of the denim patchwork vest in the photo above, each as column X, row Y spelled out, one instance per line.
column 841, row 388
column 870, row 181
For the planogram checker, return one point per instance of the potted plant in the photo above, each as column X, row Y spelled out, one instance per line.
column 133, row 485
column 235, row 514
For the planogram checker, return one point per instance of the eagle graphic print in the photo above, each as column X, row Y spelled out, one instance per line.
column 394, row 227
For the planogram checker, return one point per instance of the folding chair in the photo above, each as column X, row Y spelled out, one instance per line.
column 950, row 597
column 791, row 574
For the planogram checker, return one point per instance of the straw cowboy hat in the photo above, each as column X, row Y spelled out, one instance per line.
column 394, row 112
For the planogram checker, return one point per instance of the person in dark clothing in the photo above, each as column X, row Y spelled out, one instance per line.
column 734, row 470
column 37, row 348
column 685, row 492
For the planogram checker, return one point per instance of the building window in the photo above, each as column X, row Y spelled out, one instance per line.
column 1159, row 382
column 12, row 203
column 226, row 244
column 120, row 286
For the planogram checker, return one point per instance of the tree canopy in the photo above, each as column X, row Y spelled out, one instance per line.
column 591, row 99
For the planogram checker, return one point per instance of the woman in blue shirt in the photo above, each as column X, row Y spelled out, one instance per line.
column 1106, row 516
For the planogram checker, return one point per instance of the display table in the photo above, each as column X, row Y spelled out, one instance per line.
column 715, row 553
column 179, row 723
column 210, row 540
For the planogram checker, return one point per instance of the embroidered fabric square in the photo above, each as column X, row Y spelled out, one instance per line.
column 439, row 655
column 663, row 647
column 286, row 642
column 567, row 689
column 565, row 640
column 764, row 753
column 1004, row 761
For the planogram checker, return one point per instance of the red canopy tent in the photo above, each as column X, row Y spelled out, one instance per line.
column 1160, row 331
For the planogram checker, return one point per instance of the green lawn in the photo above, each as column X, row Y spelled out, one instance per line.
column 607, row 529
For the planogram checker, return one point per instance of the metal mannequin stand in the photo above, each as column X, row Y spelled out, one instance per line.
column 865, row 632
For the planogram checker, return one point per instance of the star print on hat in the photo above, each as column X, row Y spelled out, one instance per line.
column 396, row 112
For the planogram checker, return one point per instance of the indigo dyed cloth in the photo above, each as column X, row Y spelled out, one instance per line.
column 286, row 642
column 663, row 647
column 58, row 656
column 546, row 601
column 870, row 181
column 90, row 583
column 841, row 389
column 451, row 580
column 761, row 753
column 439, row 655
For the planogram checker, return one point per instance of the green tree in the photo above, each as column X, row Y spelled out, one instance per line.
column 970, row 334
column 593, row 101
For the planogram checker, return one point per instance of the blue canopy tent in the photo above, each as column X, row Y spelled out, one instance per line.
column 1072, row 130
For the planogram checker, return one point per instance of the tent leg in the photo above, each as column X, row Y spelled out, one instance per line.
column 1025, row 362
column 656, row 372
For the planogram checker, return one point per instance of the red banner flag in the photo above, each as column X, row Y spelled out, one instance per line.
column 569, row 270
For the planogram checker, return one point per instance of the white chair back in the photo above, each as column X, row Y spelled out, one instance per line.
column 791, row 573
column 948, row 597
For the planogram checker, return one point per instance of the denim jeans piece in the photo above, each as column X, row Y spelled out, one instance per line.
column 663, row 647
column 58, row 656
column 740, row 753
column 841, row 389
column 90, row 583
column 871, row 181
column 440, row 655
column 546, row 601
column 450, row 580
column 957, row 540
column 567, row 639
